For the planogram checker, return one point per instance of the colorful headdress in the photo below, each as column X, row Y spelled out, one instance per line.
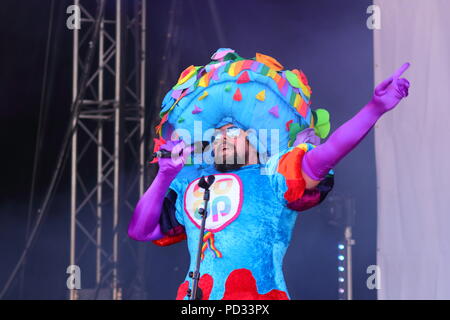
column 252, row 93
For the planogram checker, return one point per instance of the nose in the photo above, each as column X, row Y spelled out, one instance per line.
column 222, row 139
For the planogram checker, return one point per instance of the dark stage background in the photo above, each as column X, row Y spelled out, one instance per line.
column 328, row 40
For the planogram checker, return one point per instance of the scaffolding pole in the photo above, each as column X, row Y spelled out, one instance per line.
column 107, row 139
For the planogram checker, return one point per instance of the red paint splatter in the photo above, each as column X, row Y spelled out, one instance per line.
column 205, row 284
column 241, row 285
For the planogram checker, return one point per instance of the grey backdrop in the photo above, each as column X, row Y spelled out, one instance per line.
column 413, row 153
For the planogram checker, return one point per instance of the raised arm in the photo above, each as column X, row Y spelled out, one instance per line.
column 317, row 162
column 144, row 225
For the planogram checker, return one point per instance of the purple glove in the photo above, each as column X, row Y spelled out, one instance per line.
column 170, row 167
column 144, row 225
column 318, row 162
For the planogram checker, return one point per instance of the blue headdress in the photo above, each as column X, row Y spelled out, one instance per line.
column 250, row 93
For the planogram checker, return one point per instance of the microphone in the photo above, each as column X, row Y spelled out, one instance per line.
column 197, row 147
column 205, row 183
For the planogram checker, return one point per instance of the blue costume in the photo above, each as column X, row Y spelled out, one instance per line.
column 252, row 210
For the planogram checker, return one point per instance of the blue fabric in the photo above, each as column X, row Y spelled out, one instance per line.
column 256, row 239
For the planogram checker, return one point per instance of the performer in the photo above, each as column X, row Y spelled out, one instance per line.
column 260, row 187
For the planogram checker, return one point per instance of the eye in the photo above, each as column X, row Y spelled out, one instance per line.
column 233, row 132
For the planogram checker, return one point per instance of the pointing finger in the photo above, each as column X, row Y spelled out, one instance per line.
column 402, row 69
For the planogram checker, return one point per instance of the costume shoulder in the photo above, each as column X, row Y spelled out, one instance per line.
column 284, row 171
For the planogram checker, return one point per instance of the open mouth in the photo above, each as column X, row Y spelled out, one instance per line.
column 226, row 148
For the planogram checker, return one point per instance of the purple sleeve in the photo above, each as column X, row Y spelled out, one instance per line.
column 144, row 224
column 317, row 162
column 386, row 96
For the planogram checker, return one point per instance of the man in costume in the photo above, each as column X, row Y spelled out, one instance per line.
column 268, row 162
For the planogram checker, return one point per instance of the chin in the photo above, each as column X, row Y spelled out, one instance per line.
column 226, row 167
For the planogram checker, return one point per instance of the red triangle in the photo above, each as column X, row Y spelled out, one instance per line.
column 237, row 95
column 243, row 78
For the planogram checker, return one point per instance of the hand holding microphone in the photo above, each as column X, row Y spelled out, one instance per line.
column 172, row 157
column 197, row 147
column 174, row 153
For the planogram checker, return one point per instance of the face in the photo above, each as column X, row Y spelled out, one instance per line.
column 231, row 148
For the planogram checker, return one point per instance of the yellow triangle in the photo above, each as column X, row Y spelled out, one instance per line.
column 261, row 96
column 204, row 95
column 204, row 81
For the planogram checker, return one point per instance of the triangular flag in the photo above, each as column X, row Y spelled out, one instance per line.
column 196, row 110
column 261, row 96
column 204, row 81
column 243, row 78
column 274, row 111
column 269, row 61
column 204, row 95
column 292, row 78
column 215, row 75
column 237, row 95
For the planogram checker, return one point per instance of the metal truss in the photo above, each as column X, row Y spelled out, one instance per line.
column 107, row 157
